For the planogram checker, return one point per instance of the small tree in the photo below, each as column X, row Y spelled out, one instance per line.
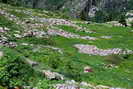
column 4, row 1
column 122, row 20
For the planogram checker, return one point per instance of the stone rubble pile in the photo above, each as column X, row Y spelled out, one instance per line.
column 68, row 85
column 35, row 32
column 53, row 21
column 8, row 44
column 116, row 23
column 34, row 25
column 27, row 12
column 68, row 23
column 8, row 15
column 4, row 29
column 13, row 18
column 106, row 37
column 63, row 33
column 32, row 63
column 93, row 50
column 52, row 75
column 71, row 84
column 5, row 42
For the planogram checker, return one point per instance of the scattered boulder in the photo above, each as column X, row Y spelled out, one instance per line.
column 106, row 37
column 32, row 63
column 17, row 36
column 67, row 86
column 36, row 33
column 4, row 29
column 88, row 69
column 115, row 23
column 29, row 87
column 102, row 87
column 8, row 43
column 83, row 85
column 52, row 75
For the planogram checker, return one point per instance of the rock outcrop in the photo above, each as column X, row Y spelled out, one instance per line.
column 79, row 8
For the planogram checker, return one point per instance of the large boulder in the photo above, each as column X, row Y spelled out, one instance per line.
column 52, row 75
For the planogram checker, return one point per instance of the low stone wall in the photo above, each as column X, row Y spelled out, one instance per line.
column 66, row 34
column 93, row 50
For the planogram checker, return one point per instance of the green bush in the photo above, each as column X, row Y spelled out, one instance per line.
column 114, row 59
column 54, row 4
column 44, row 84
column 122, row 20
column 12, row 2
column 118, row 59
column 131, row 24
column 14, row 71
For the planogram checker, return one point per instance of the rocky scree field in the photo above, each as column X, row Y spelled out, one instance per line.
column 41, row 50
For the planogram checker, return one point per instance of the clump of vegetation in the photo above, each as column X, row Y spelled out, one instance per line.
column 43, row 84
column 12, row 2
column 122, row 20
column 34, row 40
column 131, row 24
column 114, row 59
column 118, row 59
column 14, row 70
column 70, row 63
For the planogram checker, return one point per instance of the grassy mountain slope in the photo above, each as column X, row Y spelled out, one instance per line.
column 43, row 37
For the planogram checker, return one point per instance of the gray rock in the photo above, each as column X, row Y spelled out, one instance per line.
column 17, row 36
column 67, row 86
column 1, row 54
column 32, row 63
column 52, row 75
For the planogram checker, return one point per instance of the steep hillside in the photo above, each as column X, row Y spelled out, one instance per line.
column 85, row 9
column 40, row 49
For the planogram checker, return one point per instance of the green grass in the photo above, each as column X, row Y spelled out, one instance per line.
column 113, row 77
column 71, row 63
column 120, row 35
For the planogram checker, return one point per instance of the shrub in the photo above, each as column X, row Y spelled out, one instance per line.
column 14, row 71
column 44, row 84
column 118, row 59
column 101, row 17
column 71, row 70
column 12, row 2
column 114, row 59
column 122, row 20
column 131, row 24
column 55, row 61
